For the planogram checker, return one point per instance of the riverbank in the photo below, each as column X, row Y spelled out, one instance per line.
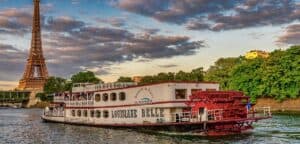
column 40, row 104
column 290, row 106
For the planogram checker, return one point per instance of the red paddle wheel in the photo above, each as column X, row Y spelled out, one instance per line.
column 226, row 111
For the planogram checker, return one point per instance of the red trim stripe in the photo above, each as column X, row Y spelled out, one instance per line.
column 128, row 105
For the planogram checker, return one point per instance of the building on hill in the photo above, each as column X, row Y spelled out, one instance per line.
column 256, row 53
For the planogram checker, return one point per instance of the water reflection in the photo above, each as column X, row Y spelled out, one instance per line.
column 24, row 126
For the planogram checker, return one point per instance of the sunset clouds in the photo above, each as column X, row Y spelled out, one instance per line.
column 97, row 36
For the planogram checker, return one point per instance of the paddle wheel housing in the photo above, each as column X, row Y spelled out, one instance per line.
column 226, row 111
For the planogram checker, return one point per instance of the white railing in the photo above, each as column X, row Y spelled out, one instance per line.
column 181, row 117
column 54, row 113
column 260, row 112
column 215, row 114
column 95, row 87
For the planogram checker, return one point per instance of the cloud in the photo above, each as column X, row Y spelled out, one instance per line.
column 168, row 66
column 94, row 46
column 18, row 21
column 15, row 21
column 86, row 47
column 113, row 21
column 150, row 30
column 291, row 35
column 216, row 15
column 12, row 62
column 71, row 45
column 62, row 24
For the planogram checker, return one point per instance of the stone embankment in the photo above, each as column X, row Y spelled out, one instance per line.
column 287, row 106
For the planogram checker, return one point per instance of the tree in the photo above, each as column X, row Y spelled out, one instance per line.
column 124, row 79
column 194, row 75
column 54, row 84
column 182, row 76
column 85, row 77
column 44, row 97
column 220, row 71
column 248, row 77
column 197, row 74
column 282, row 73
column 147, row 79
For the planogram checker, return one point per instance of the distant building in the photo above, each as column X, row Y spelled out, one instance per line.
column 256, row 53
column 137, row 79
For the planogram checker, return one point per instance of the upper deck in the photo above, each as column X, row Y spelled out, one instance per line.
column 87, row 87
column 120, row 94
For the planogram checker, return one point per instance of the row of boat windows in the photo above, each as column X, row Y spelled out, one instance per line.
column 111, row 97
column 92, row 113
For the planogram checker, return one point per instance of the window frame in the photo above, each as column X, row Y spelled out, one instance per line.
column 92, row 113
column 106, row 114
column 73, row 113
column 97, row 97
column 122, row 97
column 98, row 113
column 113, row 96
column 79, row 113
column 105, row 97
column 85, row 113
column 178, row 97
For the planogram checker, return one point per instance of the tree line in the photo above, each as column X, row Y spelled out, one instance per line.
column 277, row 76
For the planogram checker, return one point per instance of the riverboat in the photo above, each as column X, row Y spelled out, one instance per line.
column 190, row 107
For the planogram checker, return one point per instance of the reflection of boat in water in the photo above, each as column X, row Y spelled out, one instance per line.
column 198, row 108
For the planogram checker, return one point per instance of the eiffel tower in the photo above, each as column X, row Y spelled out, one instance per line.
column 36, row 73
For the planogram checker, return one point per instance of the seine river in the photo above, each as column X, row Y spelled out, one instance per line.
column 24, row 126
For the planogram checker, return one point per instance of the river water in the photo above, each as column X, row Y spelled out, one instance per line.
column 24, row 126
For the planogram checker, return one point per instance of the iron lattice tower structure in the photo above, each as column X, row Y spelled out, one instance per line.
column 36, row 73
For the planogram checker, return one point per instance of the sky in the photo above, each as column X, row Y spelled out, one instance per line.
column 142, row 37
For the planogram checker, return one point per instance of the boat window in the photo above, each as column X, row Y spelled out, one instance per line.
column 105, row 114
column 98, row 113
column 92, row 113
column 105, row 97
column 113, row 96
column 180, row 93
column 73, row 113
column 79, row 113
column 85, row 113
column 193, row 91
column 97, row 97
column 122, row 96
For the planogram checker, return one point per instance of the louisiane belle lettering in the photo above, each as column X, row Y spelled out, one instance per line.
column 132, row 113
column 153, row 112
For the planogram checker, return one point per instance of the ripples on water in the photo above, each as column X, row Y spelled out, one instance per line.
column 24, row 126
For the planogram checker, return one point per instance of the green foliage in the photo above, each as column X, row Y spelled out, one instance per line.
column 44, row 97
column 247, row 77
column 277, row 76
column 55, row 84
column 220, row 71
column 282, row 73
column 124, row 79
column 194, row 75
column 85, row 77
